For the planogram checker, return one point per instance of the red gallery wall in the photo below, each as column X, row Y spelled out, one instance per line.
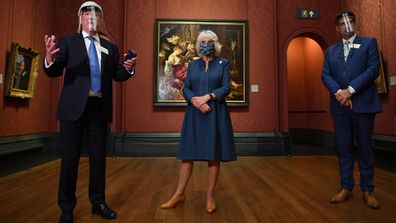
column 272, row 26
column 259, row 116
column 25, row 22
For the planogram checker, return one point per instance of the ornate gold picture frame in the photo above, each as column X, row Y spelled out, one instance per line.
column 380, row 81
column 22, row 72
column 177, row 36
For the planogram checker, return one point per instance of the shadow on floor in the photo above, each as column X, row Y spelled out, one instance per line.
column 383, row 159
column 10, row 164
column 18, row 162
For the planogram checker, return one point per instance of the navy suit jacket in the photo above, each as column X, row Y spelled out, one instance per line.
column 359, row 71
column 73, row 56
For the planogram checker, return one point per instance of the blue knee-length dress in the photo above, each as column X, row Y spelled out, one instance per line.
column 207, row 136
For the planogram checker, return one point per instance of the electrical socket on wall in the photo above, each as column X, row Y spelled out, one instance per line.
column 254, row 88
column 392, row 80
column 1, row 78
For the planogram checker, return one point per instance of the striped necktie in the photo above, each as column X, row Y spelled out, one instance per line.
column 346, row 49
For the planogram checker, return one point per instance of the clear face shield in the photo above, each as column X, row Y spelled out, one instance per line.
column 94, row 22
column 347, row 22
column 92, row 18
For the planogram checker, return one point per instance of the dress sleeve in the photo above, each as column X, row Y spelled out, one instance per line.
column 222, row 92
column 187, row 91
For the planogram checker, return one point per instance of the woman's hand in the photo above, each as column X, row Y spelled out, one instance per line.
column 200, row 102
column 195, row 102
column 205, row 108
column 202, row 99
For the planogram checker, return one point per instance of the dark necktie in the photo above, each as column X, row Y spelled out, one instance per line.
column 94, row 65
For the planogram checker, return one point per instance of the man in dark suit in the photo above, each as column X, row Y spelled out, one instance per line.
column 349, row 71
column 21, row 76
column 85, row 105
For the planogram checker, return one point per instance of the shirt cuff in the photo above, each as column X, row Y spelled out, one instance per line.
column 351, row 90
column 46, row 63
column 132, row 72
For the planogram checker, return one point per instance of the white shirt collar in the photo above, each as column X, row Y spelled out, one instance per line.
column 85, row 35
column 351, row 40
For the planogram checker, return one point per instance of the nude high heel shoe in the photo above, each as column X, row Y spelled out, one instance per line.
column 211, row 207
column 178, row 201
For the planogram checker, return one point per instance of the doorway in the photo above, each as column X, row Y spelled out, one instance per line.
column 307, row 97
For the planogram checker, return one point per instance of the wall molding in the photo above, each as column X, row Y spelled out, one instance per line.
column 27, row 143
column 326, row 140
column 165, row 144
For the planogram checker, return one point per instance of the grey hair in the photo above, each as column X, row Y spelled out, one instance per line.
column 210, row 35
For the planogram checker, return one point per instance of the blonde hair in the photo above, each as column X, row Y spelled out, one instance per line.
column 210, row 35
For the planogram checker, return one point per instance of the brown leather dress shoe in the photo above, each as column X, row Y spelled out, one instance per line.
column 342, row 196
column 370, row 200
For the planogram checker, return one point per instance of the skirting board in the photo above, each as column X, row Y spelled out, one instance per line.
column 165, row 144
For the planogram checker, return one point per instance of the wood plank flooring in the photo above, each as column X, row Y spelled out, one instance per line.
column 252, row 189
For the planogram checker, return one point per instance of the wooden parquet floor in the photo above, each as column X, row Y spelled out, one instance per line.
column 252, row 189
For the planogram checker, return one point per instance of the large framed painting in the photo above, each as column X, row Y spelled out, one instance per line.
column 174, row 48
column 22, row 72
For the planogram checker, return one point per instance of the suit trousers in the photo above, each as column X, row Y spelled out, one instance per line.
column 351, row 128
column 92, row 126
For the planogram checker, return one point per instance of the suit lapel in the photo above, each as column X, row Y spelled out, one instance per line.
column 339, row 50
column 83, row 51
column 103, row 44
column 80, row 46
column 352, row 50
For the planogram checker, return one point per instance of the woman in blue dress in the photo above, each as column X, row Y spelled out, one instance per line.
column 207, row 133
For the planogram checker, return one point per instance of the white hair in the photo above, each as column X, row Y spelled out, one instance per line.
column 210, row 35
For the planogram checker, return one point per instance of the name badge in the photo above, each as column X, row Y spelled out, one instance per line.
column 356, row 46
column 103, row 50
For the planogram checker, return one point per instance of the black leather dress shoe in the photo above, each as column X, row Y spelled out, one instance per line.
column 66, row 217
column 103, row 211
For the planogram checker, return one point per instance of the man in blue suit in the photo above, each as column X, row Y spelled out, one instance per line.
column 91, row 63
column 349, row 71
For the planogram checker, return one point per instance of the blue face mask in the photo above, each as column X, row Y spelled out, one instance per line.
column 206, row 48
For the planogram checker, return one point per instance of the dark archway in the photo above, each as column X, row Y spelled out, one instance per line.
column 282, row 80
column 324, row 41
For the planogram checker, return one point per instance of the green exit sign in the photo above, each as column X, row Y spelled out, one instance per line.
column 308, row 14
